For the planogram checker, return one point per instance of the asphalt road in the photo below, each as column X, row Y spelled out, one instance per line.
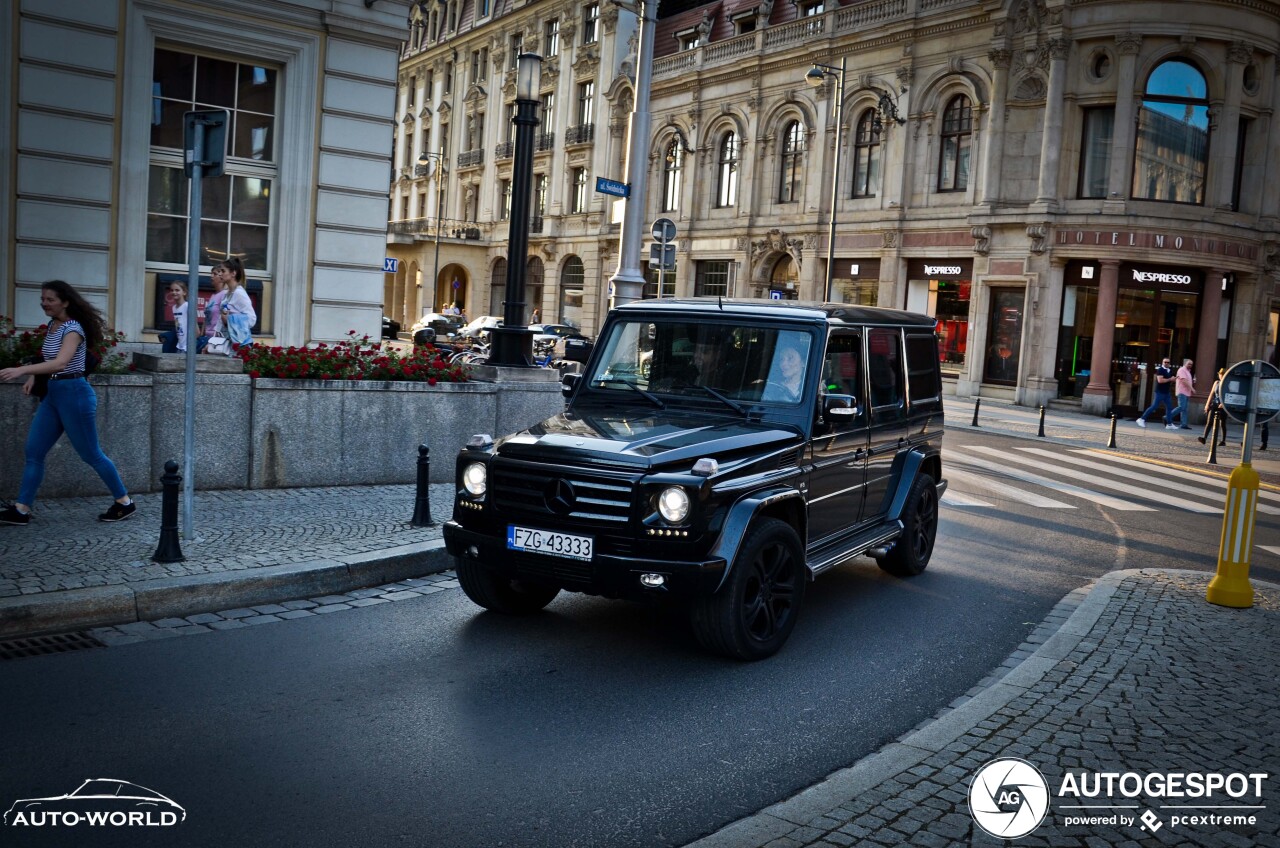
column 599, row 723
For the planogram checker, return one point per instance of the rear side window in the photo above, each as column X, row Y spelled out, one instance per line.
column 884, row 370
column 922, row 370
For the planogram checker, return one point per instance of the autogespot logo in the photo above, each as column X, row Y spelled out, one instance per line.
column 1008, row 798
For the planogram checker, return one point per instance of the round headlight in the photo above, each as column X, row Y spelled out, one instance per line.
column 475, row 478
column 673, row 504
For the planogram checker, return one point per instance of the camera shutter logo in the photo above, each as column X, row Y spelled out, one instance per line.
column 1008, row 798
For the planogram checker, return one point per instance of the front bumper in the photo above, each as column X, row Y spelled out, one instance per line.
column 610, row 575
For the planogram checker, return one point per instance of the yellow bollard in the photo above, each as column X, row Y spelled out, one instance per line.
column 1230, row 586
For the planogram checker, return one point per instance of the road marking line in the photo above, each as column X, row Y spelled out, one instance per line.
column 1271, row 549
column 1172, row 500
column 1216, row 482
column 957, row 499
column 1025, row 496
column 1065, row 488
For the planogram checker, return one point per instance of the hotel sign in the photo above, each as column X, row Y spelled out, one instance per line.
column 1157, row 241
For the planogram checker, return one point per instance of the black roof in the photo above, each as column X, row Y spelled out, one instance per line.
column 835, row 313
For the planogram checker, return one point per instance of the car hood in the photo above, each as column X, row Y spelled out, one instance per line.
column 644, row 438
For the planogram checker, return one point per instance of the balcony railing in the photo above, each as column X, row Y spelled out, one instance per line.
column 420, row 171
column 505, row 150
column 546, row 141
column 450, row 228
column 471, row 158
column 581, row 134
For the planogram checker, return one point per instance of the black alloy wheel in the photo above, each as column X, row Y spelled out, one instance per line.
column 753, row 614
column 910, row 555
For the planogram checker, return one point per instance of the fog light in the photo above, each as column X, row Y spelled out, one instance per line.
column 652, row 581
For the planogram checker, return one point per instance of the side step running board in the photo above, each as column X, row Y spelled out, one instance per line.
column 860, row 546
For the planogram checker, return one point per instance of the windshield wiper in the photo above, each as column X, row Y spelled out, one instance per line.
column 653, row 399
column 732, row 404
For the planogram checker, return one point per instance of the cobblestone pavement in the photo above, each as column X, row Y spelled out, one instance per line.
column 1144, row 676
column 66, row 547
column 232, row 619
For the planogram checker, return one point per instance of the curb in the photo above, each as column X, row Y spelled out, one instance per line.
column 936, row 734
column 177, row 597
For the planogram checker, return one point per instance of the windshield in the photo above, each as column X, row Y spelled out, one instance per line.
column 685, row 357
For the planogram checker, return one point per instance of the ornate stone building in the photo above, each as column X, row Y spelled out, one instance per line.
column 1074, row 189
column 93, row 99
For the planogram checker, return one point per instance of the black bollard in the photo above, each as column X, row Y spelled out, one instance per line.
column 422, row 503
column 169, row 549
column 1041, row 433
column 1213, row 443
column 1111, row 440
column 977, row 402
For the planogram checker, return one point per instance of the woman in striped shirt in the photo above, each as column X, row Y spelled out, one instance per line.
column 70, row 406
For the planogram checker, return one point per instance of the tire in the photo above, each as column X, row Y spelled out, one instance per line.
column 754, row 612
column 499, row 594
column 911, row 554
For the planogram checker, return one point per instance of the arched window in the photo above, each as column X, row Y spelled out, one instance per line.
column 792, row 153
column 1172, row 147
column 572, row 280
column 957, row 141
column 498, row 287
column 784, row 278
column 727, row 182
column 533, row 277
column 672, row 166
column 866, row 155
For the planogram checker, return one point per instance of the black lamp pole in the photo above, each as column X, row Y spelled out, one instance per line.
column 513, row 342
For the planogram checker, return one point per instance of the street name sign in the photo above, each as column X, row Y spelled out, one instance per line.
column 389, row 265
column 613, row 187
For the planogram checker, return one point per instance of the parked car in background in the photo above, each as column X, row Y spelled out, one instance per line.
column 480, row 327
column 558, row 335
column 390, row 328
column 435, row 327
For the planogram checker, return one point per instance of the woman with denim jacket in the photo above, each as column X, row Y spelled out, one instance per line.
column 238, row 314
column 70, row 407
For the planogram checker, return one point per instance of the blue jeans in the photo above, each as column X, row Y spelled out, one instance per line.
column 1183, row 400
column 169, row 341
column 1161, row 399
column 71, row 407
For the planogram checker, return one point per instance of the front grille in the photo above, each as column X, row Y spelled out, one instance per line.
column 596, row 498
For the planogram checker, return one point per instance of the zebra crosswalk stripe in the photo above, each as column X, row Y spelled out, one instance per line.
column 1135, row 476
column 1216, row 482
column 1065, row 488
column 1025, row 496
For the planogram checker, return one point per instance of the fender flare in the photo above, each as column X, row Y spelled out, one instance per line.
column 740, row 517
column 911, row 466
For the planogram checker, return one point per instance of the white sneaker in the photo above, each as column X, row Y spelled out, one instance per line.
column 1141, row 422
column 1171, row 426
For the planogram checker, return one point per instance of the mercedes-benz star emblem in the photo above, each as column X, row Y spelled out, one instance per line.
column 560, row 496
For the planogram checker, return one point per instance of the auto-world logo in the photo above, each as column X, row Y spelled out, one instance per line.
column 1008, row 798
column 101, row 802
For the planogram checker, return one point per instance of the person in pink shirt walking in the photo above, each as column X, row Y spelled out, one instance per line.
column 1185, row 386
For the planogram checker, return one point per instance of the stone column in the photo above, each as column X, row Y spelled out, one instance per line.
column 1222, row 166
column 1097, row 395
column 1126, row 119
column 999, row 59
column 1051, row 137
column 1207, row 366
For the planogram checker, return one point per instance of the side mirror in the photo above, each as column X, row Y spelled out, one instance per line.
column 569, row 384
column 840, row 406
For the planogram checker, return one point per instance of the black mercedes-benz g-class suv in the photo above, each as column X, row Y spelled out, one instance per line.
column 721, row 453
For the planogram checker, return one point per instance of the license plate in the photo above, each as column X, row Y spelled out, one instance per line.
column 547, row 542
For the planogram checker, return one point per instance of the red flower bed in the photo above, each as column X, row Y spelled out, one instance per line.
column 17, row 347
column 353, row 359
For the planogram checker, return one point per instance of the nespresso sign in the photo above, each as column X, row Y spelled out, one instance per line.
column 943, row 270
column 933, row 269
column 1157, row 241
column 1160, row 277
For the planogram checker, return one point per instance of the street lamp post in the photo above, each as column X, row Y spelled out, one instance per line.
column 628, row 280
column 816, row 77
column 423, row 159
column 886, row 107
column 513, row 342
